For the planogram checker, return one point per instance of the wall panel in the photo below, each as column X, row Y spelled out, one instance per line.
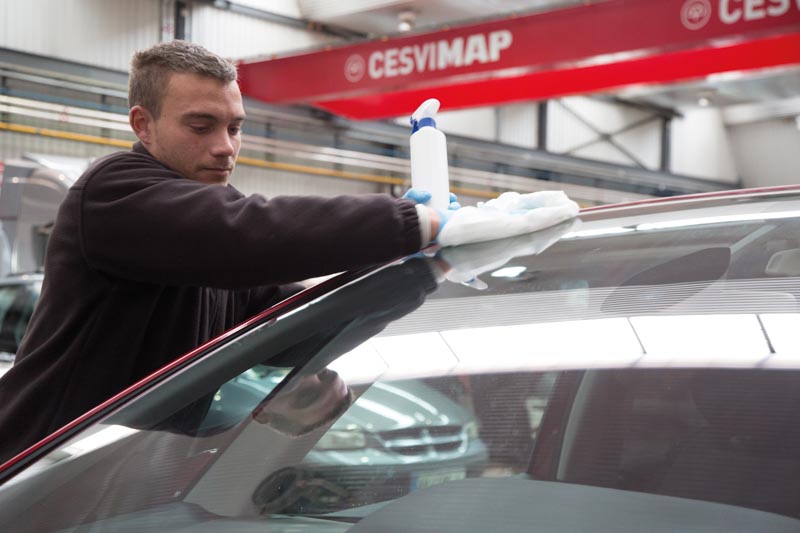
column 575, row 122
column 564, row 130
column 701, row 146
column 238, row 36
column 766, row 152
column 517, row 124
column 97, row 32
column 14, row 145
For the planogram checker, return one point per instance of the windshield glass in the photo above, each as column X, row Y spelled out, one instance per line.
column 636, row 370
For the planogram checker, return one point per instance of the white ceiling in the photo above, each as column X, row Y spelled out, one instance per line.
column 381, row 17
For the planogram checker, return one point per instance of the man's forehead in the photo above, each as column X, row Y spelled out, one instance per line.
column 195, row 96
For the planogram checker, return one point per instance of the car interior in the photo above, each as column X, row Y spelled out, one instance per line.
column 721, row 435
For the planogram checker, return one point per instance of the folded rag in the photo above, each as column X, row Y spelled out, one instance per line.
column 508, row 215
column 466, row 262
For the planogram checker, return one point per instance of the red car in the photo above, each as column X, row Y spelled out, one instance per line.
column 637, row 369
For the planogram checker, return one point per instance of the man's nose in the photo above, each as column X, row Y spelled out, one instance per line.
column 224, row 145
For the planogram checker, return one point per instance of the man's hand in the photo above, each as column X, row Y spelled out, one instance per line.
column 418, row 196
column 421, row 196
column 436, row 218
column 463, row 264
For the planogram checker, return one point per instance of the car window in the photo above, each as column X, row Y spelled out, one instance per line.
column 643, row 379
column 16, row 306
column 721, row 435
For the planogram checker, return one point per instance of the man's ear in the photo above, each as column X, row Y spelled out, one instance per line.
column 141, row 122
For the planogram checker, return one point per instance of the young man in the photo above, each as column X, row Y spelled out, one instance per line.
column 153, row 253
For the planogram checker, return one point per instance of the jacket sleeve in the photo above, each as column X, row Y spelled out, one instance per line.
column 141, row 221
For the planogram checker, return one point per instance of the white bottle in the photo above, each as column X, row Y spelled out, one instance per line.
column 429, row 155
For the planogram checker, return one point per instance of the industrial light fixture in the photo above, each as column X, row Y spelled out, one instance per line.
column 406, row 20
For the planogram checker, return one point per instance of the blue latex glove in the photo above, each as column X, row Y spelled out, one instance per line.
column 452, row 207
column 444, row 215
column 418, row 196
column 421, row 196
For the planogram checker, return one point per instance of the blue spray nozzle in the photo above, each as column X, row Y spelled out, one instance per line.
column 421, row 123
column 424, row 114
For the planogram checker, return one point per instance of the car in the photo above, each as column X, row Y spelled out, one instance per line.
column 406, row 434
column 18, row 296
column 635, row 369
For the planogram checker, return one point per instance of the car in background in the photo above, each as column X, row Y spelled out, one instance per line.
column 393, row 439
column 31, row 190
column 634, row 370
column 18, row 296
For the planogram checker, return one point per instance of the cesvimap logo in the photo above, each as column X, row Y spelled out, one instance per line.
column 354, row 68
column 461, row 51
column 695, row 14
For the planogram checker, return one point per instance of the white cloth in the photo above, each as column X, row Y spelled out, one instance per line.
column 508, row 215
column 468, row 261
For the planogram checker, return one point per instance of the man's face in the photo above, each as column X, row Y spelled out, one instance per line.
column 198, row 132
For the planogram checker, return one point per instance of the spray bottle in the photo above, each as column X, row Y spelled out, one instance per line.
column 429, row 155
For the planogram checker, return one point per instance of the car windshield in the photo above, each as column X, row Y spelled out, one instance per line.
column 633, row 370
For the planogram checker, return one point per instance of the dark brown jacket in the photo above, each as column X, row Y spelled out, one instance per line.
column 144, row 265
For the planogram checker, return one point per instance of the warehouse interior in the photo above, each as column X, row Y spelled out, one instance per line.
column 717, row 110
column 228, row 303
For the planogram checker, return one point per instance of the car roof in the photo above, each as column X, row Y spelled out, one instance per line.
column 676, row 201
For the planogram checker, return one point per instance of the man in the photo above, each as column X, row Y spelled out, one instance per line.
column 153, row 253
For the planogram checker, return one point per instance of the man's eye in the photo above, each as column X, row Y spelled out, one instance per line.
column 199, row 129
column 235, row 130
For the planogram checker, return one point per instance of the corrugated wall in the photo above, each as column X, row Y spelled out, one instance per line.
column 105, row 33
column 15, row 145
column 766, row 152
column 575, row 126
column 517, row 125
column 240, row 37
column 702, row 147
column 97, row 32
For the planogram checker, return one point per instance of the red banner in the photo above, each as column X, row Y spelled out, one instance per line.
column 603, row 45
